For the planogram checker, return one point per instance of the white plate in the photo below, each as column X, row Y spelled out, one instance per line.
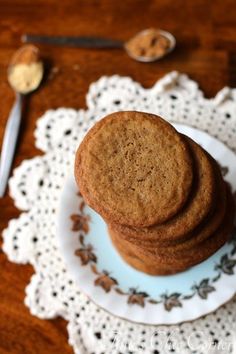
column 125, row 292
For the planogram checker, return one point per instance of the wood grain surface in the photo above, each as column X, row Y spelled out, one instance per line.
column 206, row 50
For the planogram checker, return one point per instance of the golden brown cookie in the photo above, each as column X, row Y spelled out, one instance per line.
column 194, row 211
column 134, row 168
column 165, row 261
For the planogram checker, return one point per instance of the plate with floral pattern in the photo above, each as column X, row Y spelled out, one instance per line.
column 125, row 292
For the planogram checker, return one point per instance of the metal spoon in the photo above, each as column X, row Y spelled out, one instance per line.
column 104, row 43
column 25, row 73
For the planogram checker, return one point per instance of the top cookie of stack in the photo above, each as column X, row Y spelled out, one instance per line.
column 134, row 169
column 161, row 194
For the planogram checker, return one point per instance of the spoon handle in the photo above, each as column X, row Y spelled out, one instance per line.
column 9, row 142
column 80, row 42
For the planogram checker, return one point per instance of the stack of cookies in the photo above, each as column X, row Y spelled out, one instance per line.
column 162, row 196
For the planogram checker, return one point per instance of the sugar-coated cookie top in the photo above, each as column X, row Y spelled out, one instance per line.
column 134, row 168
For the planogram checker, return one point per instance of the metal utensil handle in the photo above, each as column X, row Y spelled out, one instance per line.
column 9, row 142
column 81, row 42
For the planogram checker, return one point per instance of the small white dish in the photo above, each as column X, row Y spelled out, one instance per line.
column 125, row 292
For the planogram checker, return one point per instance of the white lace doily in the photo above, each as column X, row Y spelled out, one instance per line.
column 36, row 186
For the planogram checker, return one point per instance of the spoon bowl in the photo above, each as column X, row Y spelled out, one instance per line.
column 25, row 70
column 150, row 45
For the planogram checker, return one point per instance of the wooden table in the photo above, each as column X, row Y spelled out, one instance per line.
column 206, row 50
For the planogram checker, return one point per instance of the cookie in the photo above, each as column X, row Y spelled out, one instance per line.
column 134, row 168
column 165, row 263
column 193, row 213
